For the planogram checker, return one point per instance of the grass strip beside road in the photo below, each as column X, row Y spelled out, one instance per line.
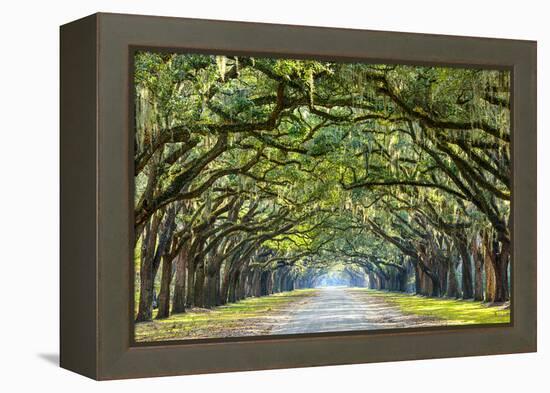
column 248, row 317
column 455, row 312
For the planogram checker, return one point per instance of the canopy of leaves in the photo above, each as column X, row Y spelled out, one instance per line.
column 319, row 165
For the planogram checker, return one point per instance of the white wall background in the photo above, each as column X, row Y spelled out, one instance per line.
column 29, row 192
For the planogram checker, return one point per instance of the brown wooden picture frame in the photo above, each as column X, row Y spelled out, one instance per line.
column 97, row 198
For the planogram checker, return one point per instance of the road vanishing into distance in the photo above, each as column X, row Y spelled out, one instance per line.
column 318, row 310
column 346, row 309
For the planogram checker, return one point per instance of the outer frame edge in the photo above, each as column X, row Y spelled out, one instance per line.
column 78, row 263
column 117, row 360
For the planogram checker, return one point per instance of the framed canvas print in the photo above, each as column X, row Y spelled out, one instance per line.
column 240, row 196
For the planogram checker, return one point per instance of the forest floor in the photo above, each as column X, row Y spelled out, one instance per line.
column 320, row 310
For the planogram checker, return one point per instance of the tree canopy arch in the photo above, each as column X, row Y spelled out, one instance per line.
column 258, row 175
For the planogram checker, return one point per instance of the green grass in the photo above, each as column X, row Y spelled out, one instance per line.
column 456, row 312
column 243, row 318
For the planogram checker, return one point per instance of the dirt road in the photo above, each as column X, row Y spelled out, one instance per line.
column 343, row 309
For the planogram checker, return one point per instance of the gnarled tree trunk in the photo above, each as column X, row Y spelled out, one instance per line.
column 452, row 284
column 145, row 307
column 164, row 294
column 199, row 285
column 478, row 270
column 178, row 302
